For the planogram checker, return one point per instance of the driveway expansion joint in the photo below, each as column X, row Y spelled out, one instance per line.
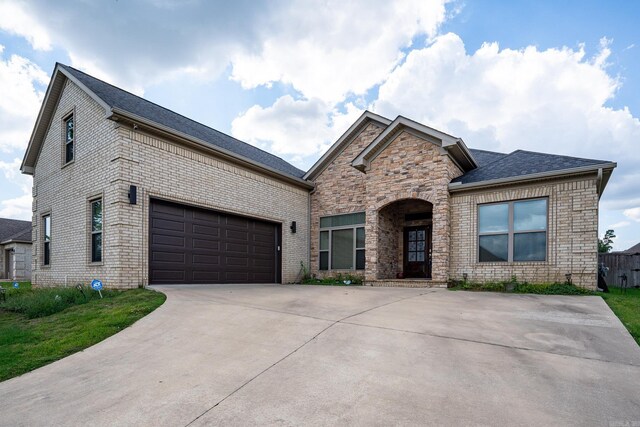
column 296, row 349
column 489, row 343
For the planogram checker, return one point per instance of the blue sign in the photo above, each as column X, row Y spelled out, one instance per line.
column 96, row 285
column 16, row 285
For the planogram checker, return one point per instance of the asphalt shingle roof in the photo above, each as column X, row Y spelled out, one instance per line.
column 118, row 98
column 520, row 163
column 484, row 157
column 13, row 229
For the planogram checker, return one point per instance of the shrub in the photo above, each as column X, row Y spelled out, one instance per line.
column 339, row 279
column 514, row 286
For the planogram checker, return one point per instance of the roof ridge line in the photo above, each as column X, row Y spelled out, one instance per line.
column 179, row 114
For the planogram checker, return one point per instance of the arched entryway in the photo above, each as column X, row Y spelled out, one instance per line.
column 405, row 236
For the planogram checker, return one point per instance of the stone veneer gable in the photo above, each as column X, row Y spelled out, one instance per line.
column 408, row 168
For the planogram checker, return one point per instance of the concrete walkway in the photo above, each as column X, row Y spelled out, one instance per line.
column 307, row 355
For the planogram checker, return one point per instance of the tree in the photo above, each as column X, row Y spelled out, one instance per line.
column 606, row 243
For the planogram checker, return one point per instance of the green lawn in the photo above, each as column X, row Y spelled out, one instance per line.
column 38, row 326
column 627, row 308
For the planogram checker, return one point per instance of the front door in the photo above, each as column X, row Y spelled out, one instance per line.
column 417, row 252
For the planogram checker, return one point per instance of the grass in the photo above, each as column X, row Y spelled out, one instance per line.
column 36, row 328
column 627, row 307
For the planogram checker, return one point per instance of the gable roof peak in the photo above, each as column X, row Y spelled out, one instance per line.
column 365, row 118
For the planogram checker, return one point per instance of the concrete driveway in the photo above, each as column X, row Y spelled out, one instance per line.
column 294, row 355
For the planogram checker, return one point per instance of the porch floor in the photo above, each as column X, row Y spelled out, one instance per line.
column 406, row 283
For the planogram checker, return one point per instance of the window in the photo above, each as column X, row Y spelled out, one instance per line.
column 96, row 230
column 46, row 225
column 69, row 138
column 513, row 231
column 342, row 242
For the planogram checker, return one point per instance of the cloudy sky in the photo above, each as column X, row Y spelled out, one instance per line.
column 291, row 76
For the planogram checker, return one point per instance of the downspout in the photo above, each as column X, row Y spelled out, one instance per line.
column 309, row 227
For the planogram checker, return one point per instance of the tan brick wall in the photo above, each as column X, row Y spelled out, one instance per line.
column 169, row 171
column 64, row 191
column 572, row 233
column 109, row 158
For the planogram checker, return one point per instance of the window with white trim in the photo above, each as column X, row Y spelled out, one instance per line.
column 513, row 231
column 342, row 242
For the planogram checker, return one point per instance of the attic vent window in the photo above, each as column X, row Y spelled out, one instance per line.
column 69, row 138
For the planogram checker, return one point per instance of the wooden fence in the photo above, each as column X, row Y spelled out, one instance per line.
column 620, row 263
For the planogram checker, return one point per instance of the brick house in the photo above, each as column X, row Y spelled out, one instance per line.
column 135, row 194
column 15, row 249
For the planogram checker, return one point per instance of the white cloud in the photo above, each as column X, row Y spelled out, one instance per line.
column 20, row 100
column 620, row 224
column 15, row 20
column 299, row 128
column 136, row 44
column 632, row 213
column 551, row 101
column 328, row 51
column 17, row 207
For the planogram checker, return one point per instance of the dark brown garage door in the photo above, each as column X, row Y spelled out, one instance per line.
column 192, row 245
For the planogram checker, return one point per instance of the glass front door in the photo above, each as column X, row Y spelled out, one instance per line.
column 417, row 252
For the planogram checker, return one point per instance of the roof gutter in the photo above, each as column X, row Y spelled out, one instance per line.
column 226, row 154
column 458, row 186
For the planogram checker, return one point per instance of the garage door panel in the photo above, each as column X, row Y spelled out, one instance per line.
column 168, row 209
column 193, row 245
column 208, row 260
column 168, row 224
column 207, row 217
column 205, row 230
column 237, row 222
column 237, row 261
column 206, row 276
column 169, row 241
column 168, row 257
column 240, row 236
column 237, row 248
column 169, row 275
column 236, row 277
column 212, row 245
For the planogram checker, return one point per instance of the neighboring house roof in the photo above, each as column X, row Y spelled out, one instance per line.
column 120, row 102
column 13, row 230
column 633, row 250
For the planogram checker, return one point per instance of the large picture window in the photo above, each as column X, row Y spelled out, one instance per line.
column 513, row 231
column 96, row 230
column 342, row 242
